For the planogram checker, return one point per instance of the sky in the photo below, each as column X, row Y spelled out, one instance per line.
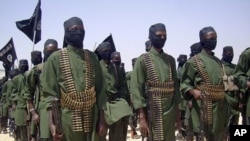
column 128, row 21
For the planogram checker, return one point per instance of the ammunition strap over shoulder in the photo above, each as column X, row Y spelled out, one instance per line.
column 78, row 101
column 214, row 92
column 156, row 91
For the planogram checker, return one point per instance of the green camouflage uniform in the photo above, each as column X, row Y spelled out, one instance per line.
column 241, row 75
column 21, row 115
column 53, row 84
column 163, row 63
column 117, row 108
column 231, row 96
column 192, row 80
column 33, row 90
column 4, row 106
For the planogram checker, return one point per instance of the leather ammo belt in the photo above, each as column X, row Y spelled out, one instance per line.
column 78, row 102
column 157, row 90
column 213, row 92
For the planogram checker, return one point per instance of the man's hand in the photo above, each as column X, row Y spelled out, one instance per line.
column 189, row 104
column 248, row 84
column 35, row 117
column 102, row 127
column 56, row 137
column 196, row 94
column 144, row 127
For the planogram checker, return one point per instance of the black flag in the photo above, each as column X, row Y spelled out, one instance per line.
column 32, row 25
column 111, row 41
column 8, row 54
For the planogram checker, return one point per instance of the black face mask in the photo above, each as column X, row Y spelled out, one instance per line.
column 75, row 38
column 182, row 62
column 105, row 55
column 23, row 68
column 209, row 44
column 117, row 63
column 36, row 60
column 156, row 41
column 228, row 58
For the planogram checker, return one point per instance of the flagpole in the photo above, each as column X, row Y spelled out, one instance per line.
column 94, row 46
column 34, row 36
column 35, row 26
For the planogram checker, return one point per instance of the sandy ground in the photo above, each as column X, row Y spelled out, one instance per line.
column 6, row 137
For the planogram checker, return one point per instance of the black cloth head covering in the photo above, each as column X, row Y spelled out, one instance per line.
column 148, row 45
column 50, row 41
column 23, row 65
column 23, row 61
column 209, row 44
column 182, row 56
column 227, row 48
column 156, row 27
column 113, row 54
column 36, row 57
column 103, row 45
column 36, row 53
column 204, row 31
column 67, row 24
column 157, row 41
column 195, row 49
column 227, row 54
column 72, row 21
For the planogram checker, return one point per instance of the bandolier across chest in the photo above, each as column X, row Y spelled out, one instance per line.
column 157, row 90
column 78, row 102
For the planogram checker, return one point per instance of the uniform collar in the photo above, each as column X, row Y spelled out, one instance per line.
column 78, row 51
column 155, row 52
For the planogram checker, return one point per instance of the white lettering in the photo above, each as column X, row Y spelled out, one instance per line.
column 240, row 132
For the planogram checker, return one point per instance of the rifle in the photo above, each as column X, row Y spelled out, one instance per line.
column 56, row 116
column 149, row 117
column 38, row 133
column 202, row 110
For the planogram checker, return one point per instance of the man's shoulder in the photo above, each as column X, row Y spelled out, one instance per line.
column 246, row 51
column 92, row 54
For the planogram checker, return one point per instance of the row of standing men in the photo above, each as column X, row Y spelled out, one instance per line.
column 75, row 95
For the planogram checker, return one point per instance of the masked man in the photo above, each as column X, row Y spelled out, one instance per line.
column 21, row 115
column 182, row 106
column 202, row 80
column 73, row 75
column 156, row 71
column 117, row 108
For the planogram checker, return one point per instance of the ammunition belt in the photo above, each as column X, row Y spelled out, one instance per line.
column 157, row 90
column 78, row 101
column 161, row 89
column 213, row 92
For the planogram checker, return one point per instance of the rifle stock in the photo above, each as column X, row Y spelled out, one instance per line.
column 56, row 116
